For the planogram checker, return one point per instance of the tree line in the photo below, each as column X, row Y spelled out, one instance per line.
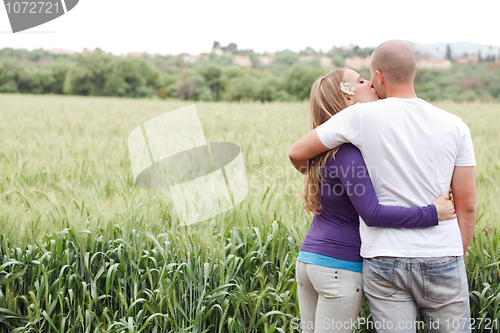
column 218, row 78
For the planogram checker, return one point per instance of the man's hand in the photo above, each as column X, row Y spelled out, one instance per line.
column 306, row 148
column 463, row 188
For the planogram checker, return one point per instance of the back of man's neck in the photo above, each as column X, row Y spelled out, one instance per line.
column 401, row 92
column 402, row 96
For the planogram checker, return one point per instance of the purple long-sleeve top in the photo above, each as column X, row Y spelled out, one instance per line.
column 347, row 193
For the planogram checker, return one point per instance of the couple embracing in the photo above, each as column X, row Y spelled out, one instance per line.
column 379, row 163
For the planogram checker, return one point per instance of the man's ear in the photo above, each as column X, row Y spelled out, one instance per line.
column 380, row 77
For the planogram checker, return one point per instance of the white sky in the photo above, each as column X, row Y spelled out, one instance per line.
column 171, row 27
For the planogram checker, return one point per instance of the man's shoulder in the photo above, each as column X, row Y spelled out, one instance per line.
column 418, row 104
column 445, row 116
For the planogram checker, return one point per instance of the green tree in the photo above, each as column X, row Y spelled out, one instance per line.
column 130, row 77
column 15, row 76
column 41, row 81
column 191, row 87
column 59, row 69
column 268, row 89
column 298, row 79
column 240, row 88
column 9, row 87
column 212, row 75
column 286, row 58
column 88, row 76
column 222, row 60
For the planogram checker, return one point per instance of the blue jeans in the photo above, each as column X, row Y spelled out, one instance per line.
column 397, row 287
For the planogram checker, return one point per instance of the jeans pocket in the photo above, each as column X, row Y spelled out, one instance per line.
column 378, row 278
column 326, row 281
column 441, row 280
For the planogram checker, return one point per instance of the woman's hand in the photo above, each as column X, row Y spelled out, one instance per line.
column 445, row 208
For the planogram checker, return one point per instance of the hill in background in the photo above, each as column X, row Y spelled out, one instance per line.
column 458, row 49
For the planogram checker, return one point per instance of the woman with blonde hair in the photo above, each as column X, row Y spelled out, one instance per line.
column 338, row 190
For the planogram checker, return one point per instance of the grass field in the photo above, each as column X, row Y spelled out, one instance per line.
column 82, row 249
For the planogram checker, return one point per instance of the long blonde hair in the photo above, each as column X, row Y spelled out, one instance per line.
column 326, row 100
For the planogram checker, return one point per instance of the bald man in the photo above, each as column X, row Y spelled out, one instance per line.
column 414, row 153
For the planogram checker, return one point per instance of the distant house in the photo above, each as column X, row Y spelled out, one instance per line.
column 191, row 59
column 465, row 60
column 60, row 51
column 325, row 61
column 86, row 51
column 242, row 60
column 306, row 58
column 266, row 60
column 97, row 51
column 433, row 63
column 358, row 63
column 137, row 54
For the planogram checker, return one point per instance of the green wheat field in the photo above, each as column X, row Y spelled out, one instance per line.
column 82, row 249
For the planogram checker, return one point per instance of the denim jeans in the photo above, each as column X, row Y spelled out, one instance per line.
column 329, row 298
column 397, row 287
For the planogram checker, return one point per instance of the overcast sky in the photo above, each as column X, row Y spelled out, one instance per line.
column 172, row 27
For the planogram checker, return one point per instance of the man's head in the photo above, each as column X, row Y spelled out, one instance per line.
column 392, row 65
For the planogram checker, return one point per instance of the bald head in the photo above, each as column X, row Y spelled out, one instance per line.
column 396, row 60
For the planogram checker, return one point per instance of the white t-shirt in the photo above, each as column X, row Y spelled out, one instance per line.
column 410, row 148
